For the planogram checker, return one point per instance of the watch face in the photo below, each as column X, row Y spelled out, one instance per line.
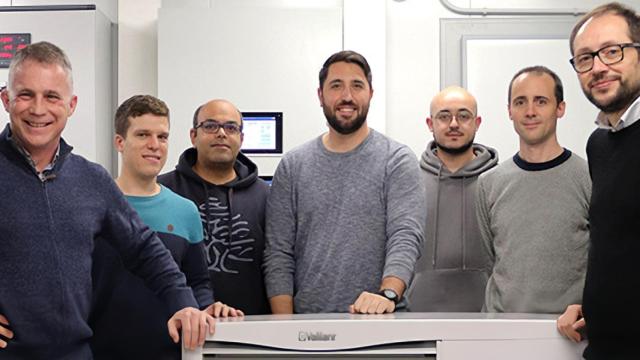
column 390, row 294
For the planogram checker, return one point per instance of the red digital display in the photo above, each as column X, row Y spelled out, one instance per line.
column 10, row 44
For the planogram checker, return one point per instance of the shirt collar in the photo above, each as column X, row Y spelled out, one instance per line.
column 16, row 144
column 629, row 117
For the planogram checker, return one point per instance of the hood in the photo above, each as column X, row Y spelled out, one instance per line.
column 245, row 168
column 485, row 159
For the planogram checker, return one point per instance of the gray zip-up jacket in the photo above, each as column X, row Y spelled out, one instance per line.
column 451, row 275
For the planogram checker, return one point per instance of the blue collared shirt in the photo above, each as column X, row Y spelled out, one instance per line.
column 25, row 153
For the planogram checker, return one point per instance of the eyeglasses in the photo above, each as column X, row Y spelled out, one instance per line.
column 608, row 55
column 212, row 127
column 463, row 117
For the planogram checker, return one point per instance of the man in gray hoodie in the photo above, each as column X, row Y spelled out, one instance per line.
column 451, row 275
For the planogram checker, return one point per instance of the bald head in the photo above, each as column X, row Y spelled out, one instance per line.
column 217, row 105
column 454, row 121
column 453, row 96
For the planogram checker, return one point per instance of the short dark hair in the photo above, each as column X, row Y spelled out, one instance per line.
column 628, row 14
column 135, row 106
column 42, row 52
column 347, row 56
column 195, row 116
column 540, row 70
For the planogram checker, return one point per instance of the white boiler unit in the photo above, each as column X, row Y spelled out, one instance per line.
column 441, row 336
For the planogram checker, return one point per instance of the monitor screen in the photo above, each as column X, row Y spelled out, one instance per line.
column 262, row 132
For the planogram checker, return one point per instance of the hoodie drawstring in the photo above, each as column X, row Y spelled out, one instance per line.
column 208, row 236
column 464, row 229
column 435, row 228
column 230, row 218
column 206, row 209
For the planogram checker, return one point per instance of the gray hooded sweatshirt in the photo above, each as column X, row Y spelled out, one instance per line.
column 451, row 275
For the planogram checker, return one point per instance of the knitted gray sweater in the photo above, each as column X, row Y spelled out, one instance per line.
column 337, row 223
column 534, row 222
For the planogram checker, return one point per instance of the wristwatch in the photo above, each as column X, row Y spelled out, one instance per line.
column 389, row 294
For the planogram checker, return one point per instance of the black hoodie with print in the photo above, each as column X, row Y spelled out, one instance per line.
column 233, row 220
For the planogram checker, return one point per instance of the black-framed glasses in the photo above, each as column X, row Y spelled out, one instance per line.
column 211, row 127
column 463, row 117
column 608, row 55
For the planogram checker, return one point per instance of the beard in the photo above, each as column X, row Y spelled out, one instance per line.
column 455, row 150
column 345, row 127
column 625, row 95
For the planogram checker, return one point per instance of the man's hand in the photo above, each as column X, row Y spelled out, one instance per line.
column 194, row 324
column 219, row 309
column 369, row 303
column 4, row 331
column 571, row 322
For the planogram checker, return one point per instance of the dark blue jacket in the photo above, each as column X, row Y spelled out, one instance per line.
column 47, row 232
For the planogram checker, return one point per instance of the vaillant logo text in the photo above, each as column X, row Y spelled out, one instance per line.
column 315, row 336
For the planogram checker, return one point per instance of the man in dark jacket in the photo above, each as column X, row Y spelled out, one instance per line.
column 451, row 275
column 56, row 205
column 231, row 199
column 605, row 45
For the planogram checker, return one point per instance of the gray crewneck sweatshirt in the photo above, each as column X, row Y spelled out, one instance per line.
column 337, row 223
column 534, row 222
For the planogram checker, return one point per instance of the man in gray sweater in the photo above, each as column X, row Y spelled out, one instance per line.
column 533, row 208
column 344, row 215
column 452, row 274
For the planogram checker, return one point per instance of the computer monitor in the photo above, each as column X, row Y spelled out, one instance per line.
column 262, row 132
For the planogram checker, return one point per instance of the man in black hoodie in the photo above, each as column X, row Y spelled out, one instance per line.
column 225, row 187
column 451, row 275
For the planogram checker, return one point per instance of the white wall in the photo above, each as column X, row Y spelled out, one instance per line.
column 413, row 68
column 413, row 73
column 400, row 38
column 137, row 48
column 260, row 55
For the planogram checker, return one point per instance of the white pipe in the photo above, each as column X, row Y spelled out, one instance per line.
column 486, row 11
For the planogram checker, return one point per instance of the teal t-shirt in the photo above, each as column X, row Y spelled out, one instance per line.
column 168, row 212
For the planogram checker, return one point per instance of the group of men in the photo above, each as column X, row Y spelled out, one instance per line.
column 352, row 222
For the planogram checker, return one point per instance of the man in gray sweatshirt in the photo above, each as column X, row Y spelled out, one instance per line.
column 344, row 215
column 452, row 273
column 533, row 209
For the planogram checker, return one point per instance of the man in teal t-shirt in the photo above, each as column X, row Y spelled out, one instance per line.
column 123, row 307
